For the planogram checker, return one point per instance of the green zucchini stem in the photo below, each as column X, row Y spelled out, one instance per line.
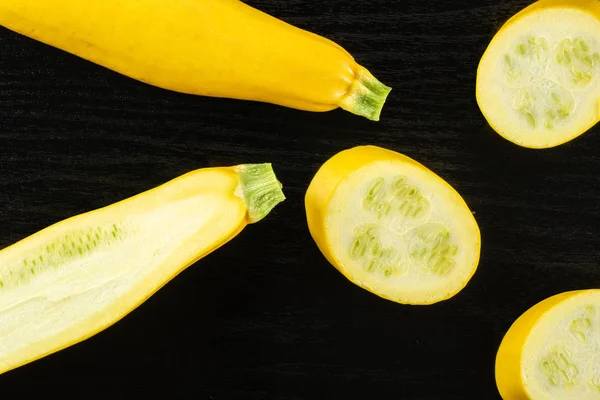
column 366, row 96
column 261, row 190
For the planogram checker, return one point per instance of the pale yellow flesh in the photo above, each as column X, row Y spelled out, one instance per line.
column 142, row 245
column 535, row 87
column 421, row 205
column 561, row 356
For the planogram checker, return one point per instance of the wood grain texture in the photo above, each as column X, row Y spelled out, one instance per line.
column 266, row 317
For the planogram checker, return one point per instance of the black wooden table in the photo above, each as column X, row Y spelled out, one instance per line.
column 266, row 317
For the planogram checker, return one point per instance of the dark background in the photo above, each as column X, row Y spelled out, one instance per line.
column 266, row 317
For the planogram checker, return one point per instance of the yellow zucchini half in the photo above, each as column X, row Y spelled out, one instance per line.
column 552, row 351
column 538, row 82
column 219, row 48
column 392, row 226
column 77, row 277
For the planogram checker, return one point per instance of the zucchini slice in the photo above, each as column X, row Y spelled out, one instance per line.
column 538, row 82
column 392, row 226
column 552, row 351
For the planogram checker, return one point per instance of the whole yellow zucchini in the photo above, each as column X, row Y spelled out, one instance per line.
column 79, row 276
column 220, row 48
column 538, row 82
column 552, row 351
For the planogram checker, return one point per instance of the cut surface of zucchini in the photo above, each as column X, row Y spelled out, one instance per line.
column 538, row 82
column 552, row 352
column 392, row 226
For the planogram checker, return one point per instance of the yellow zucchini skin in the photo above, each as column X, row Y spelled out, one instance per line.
column 219, row 48
column 585, row 5
column 114, row 258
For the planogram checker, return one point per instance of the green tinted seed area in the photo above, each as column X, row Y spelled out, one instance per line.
column 577, row 62
column 544, row 104
column 544, row 77
column 399, row 236
column 558, row 367
column 375, row 256
column 62, row 250
column 525, row 61
column 570, row 361
column 397, row 197
column 582, row 328
column 431, row 248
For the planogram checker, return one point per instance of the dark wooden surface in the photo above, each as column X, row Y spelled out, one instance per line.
column 266, row 317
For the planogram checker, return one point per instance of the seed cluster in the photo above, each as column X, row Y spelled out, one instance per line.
column 432, row 249
column 429, row 245
column 399, row 197
column 577, row 57
column 583, row 327
column 375, row 258
column 543, row 99
column 59, row 251
column 559, row 369
column 558, row 366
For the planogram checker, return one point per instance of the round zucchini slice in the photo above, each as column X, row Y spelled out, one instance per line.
column 392, row 226
column 552, row 351
column 538, row 82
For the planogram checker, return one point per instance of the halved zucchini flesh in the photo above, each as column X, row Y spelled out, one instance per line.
column 77, row 277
